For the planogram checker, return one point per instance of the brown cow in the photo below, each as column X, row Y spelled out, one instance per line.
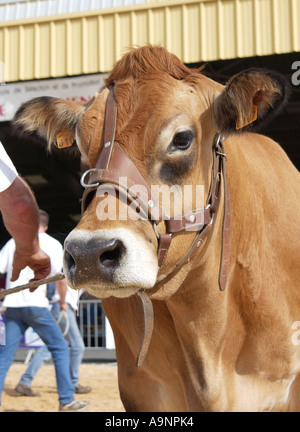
column 158, row 122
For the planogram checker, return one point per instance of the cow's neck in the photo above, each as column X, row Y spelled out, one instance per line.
column 195, row 321
column 196, row 304
column 213, row 253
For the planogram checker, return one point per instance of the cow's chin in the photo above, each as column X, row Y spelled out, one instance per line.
column 121, row 290
column 117, row 292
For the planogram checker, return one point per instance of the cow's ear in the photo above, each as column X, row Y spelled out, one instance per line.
column 250, row 99
column 89, row 128
column 51, row 118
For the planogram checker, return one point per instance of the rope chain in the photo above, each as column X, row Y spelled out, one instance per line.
column 34, row 284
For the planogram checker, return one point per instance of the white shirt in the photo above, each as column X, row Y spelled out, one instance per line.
column 8, row 172
column 25, row 298
column 72, row 297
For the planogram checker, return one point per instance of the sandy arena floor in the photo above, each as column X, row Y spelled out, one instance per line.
column 104, row 396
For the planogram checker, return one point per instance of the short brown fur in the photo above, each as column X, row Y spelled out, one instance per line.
column 211, row 351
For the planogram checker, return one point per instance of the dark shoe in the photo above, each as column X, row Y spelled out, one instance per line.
column 73, row 406
column 25, row 391
column 82, row 389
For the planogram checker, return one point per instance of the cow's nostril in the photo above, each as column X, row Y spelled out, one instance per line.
column 111, row 255
column 69, row 261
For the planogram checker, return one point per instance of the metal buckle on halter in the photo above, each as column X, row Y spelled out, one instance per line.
column 213, row 215
column 219, row 147
column 155, row 230
column 82, row 180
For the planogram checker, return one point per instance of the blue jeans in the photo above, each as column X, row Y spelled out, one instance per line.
column 17, row 320
column 75, row 341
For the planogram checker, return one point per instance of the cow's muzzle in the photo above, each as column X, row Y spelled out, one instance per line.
column 92, row 261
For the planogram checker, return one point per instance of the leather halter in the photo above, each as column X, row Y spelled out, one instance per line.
column 114, row 163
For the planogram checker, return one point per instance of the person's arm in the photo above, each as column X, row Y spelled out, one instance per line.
column 61, row 286
column 21, row 219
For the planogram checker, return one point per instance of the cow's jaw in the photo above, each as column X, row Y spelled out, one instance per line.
column 115, row 262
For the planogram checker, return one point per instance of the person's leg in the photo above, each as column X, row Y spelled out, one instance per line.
column 42, row 355
column 76, row 346
column 14, row 330
column 74, row 339
column 42, row 321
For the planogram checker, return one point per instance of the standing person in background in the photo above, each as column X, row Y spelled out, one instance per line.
column 65, row 305
column 25, row 309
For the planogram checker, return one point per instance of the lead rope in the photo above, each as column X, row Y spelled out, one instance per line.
column 63, row 314
column 145, row 302
column 34, row 284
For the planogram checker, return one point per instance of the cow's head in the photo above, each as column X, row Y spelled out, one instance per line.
column 167, row 119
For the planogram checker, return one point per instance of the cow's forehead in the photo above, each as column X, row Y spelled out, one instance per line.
column 148, row 110
column 158, row 91
column 161, row 102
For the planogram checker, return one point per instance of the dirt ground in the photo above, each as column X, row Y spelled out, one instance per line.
column 102, row 377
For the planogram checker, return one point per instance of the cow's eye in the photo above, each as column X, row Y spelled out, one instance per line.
column 182, row 140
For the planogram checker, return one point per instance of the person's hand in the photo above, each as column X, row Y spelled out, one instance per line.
column 39, row 262
column 64, row 306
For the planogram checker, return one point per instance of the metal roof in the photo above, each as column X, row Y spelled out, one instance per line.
column 22, row 9
column 92, row 41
